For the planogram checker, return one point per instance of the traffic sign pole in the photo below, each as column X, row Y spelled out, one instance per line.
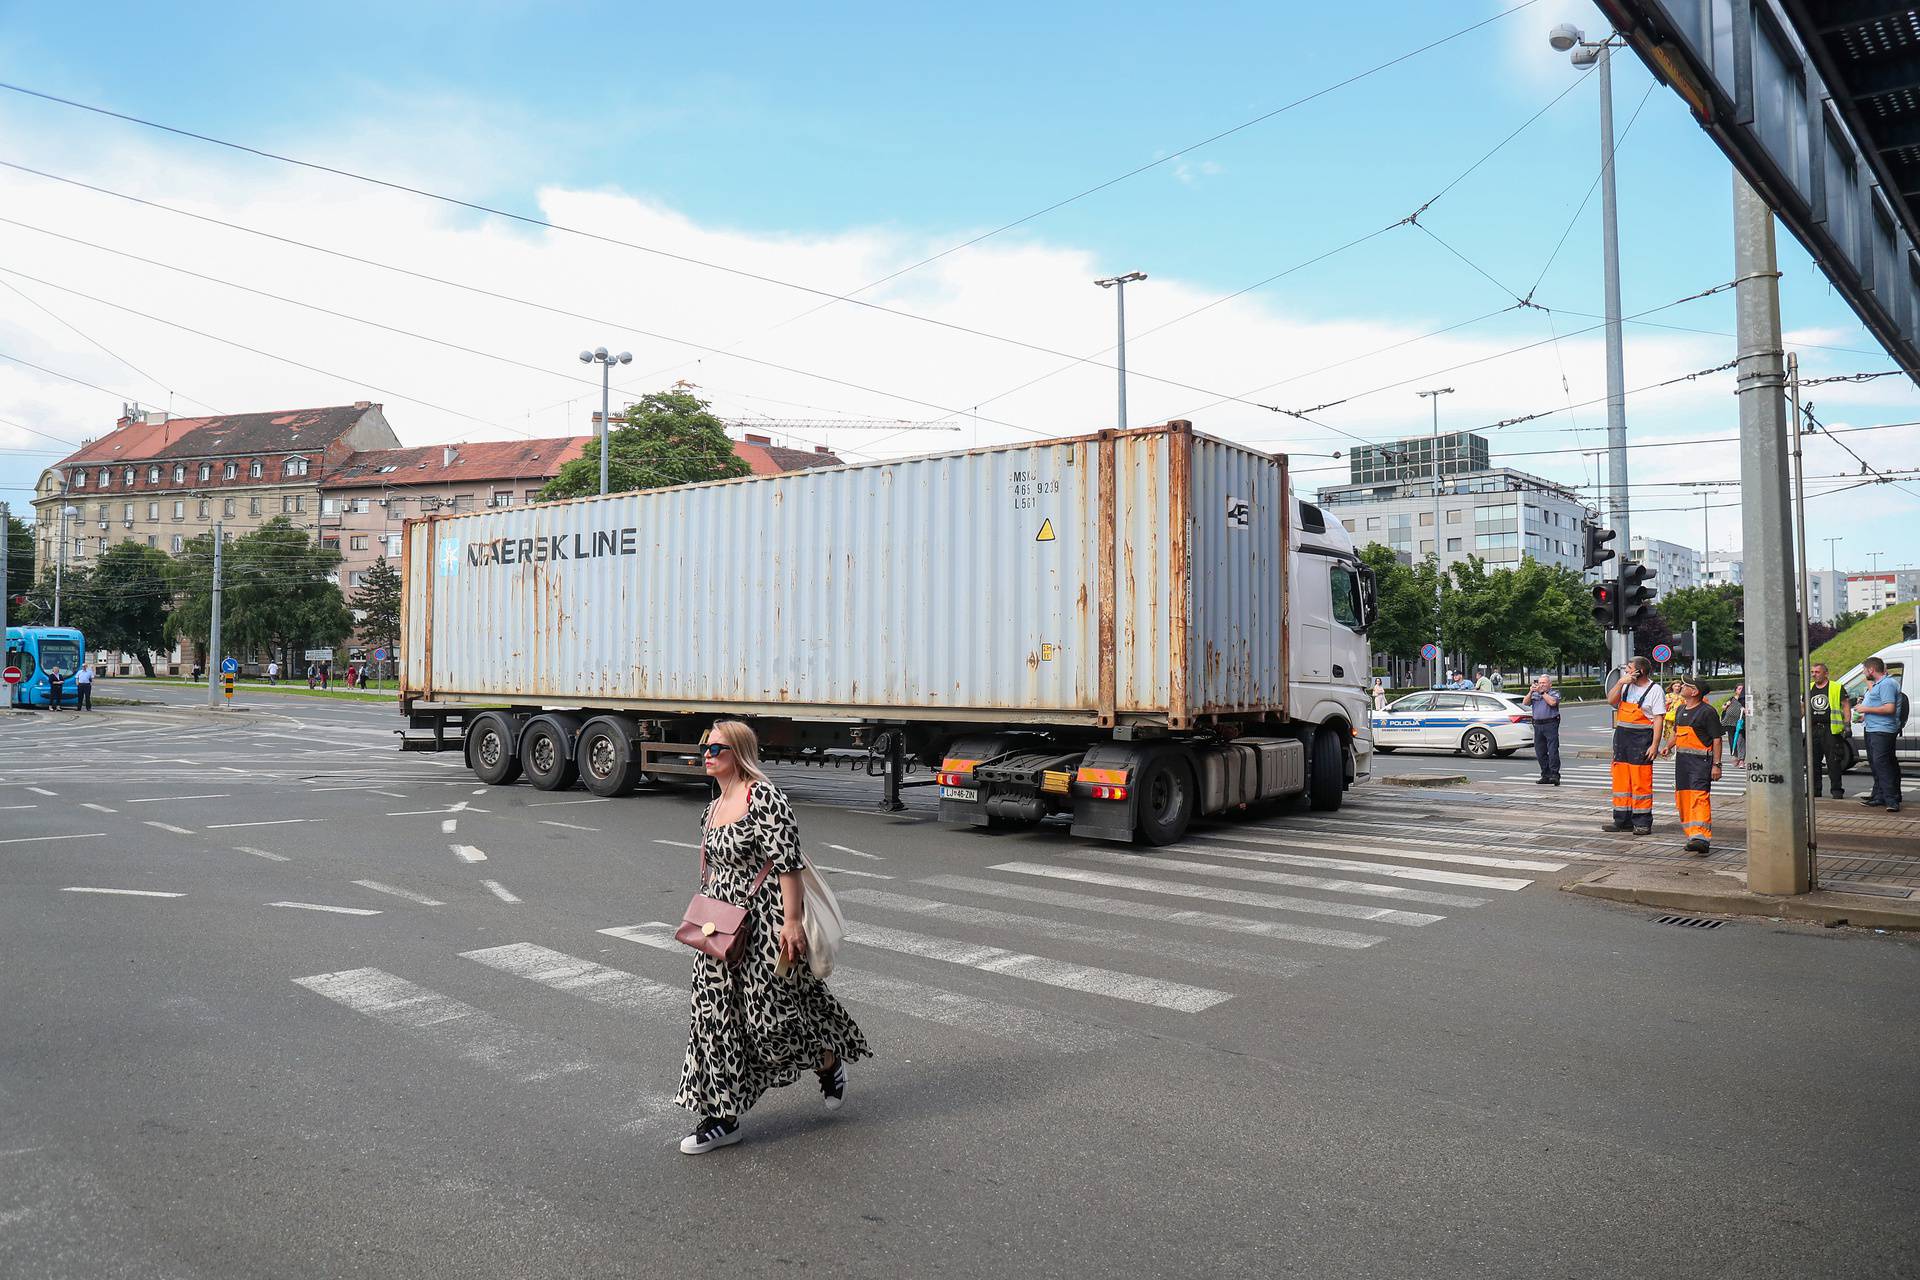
column 213, row 631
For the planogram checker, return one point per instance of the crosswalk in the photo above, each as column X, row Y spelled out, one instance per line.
column 1067, row 949
column 1599, row 774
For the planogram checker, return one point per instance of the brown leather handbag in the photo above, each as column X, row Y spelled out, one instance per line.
column 714, row 928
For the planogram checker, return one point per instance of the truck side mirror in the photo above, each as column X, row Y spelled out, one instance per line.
column 1369, row 597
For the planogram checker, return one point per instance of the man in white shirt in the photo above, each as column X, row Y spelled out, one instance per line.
column 83, row 687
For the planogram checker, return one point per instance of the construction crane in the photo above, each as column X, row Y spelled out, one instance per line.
column 836, row 424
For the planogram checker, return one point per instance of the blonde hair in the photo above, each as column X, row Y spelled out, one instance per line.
column 739, row 737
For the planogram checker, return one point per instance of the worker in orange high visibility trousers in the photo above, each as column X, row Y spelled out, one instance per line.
column 1638, row 706
column 1694, row 743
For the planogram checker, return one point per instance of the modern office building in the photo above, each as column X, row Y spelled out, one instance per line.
column 1461, row 452
column 1675, row 567
column 1498, row 514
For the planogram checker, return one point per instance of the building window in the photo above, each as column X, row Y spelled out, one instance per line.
column 1453, row 516
column 229, row 471
column 179, row 473
column 126, row 512
column 358, row 542
column 152, row 541
column 1348, row 526
column 1426, row 546
column 356, row 579
column 206, row 470
column 296, row 466
column 103, row 544
column 253, row 506
column 1453, row 544
column 533, row 495
column 329, row 506
column 179, row 543
column 501, row 500
column 226, row 508
column 253, row 469
column 126, row 477
column 395, row 506
column 1373, row 523
column 286, row 504
column 153, row 475
column 179, row 511
column 360, row 506
column 393, row 544
column 1495, row 541
column 330, row 543
column 153, row 511
column 1426, row 519
column 100, row 512
column 80, row 480
column 206, row 508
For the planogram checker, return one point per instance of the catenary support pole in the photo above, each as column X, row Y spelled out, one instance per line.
column 1616, row 359
column 1776, row 752
column 606, row 381
column 213, row 628
column 6, row 516
column 1806, row 598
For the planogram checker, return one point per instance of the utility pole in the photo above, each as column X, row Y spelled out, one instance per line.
column 1433, row 397
column 60, row 559
column 1706, row 539
column 1119, row 285
column 6, row 517
column 606, row 362
column 1806, row 641
column 213, row 631
column 1776, row 753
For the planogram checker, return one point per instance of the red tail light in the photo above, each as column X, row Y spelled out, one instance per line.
column 1519, row 719
column 953, row 779
column 1105, row 792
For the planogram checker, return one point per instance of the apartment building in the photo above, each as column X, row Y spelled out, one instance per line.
column 1675, row 567
column 1500, row 515
column 164, row 481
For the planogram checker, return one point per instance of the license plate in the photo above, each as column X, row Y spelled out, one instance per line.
column 959, row 793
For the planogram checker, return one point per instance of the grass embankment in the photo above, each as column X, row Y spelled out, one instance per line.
column 1863, row 639
column 243, row 687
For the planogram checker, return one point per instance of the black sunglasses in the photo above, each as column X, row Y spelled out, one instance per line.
column 712, row 749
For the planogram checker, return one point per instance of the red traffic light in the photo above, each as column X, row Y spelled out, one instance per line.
column 1606, row 606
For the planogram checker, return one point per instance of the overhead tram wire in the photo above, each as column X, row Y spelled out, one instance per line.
column 61, row 320
column 1820, row 428
column 1411, row 219
column 830, row 297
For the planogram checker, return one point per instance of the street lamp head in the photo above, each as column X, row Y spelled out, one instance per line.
column 1564, row 37
column 1585, row 56
column 626, row 357
column 69, row 511
column 599, row 353
column 586, row 357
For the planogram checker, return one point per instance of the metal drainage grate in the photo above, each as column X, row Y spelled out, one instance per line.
column 1690, row 922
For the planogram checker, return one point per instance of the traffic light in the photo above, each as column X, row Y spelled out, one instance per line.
column 1636, row 598
column 1606, row 606
column 1598, row 552
column 1907, row 631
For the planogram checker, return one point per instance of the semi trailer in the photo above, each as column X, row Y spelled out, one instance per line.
column 1131, row 628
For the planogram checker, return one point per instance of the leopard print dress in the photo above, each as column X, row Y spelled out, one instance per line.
column 753, row 1031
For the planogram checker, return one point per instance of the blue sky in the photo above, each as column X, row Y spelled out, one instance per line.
column 833, row 149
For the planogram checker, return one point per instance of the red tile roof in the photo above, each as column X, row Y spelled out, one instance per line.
column 517, row 460
column 773, row 459
column 281, row 431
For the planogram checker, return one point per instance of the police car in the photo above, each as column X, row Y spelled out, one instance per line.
column 1480, row 724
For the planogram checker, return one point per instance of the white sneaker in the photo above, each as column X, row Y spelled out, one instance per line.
column 712, row 1132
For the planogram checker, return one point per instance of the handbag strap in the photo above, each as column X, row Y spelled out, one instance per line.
column 757, row 880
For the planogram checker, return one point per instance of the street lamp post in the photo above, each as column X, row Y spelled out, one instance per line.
column 1119, row 285
column 60, row 560
column 606, row 362
column 1433, row 397
column 1585, row 53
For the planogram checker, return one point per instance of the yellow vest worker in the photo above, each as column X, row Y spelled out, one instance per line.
column 1695, row 748
column 1638, row 705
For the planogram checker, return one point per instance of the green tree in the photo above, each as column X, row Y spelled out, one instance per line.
column 123, row 604
column 19, row 563
column 1716, row 610
column 378, row 603
column 669, row 437
column 1405, row 619
column 277, row 592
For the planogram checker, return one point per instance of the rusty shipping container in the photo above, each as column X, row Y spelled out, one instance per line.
column 1124, row 577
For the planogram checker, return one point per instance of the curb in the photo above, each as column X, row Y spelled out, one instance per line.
column 1822, row 908
column 1421, row 780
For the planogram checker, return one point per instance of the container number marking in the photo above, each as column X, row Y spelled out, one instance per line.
column 1239, row 513
column 1028, row 488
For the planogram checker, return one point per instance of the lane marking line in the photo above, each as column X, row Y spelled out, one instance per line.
column 840, row 848
column 449, row 826
column 259, row 853
column 97, row 808
column 131, row 893
column 408, row 894
column 217, row 795
column 271, row 822
column 1391, row 870
column 168, row 826
column 468, row 853
column 1363, row 888
column 1243, row 897
column 571, row 826
column 548, row 804
column 678, row 844
column 42, row 791
column 499, row 891
column 849, row 871
column 600, row 983
column 1157, row 912
column 19, row 806
column 320, row 906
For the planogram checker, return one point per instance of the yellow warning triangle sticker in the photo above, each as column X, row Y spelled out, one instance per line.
column 1046, row 531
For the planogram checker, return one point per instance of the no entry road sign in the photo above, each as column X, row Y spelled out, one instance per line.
column 11, row 675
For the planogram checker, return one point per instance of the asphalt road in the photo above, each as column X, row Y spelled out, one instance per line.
column 1385, row 1045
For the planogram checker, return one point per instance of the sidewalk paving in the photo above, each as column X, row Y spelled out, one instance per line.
column 1703, row 889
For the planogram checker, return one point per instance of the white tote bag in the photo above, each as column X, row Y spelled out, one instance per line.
column 824, row 924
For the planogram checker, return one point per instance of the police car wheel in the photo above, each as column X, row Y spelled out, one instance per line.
column 1478, row 743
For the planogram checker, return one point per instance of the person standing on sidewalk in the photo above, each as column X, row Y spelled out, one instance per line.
column 1827, row 708
column 273, row 673
column 1638, row 707
column 56, row 688
column 1694, row 741
column 1545, row 705
column 1483, row 682
column 1879, row 714
column 83, row 687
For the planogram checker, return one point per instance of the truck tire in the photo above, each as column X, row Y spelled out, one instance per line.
column 608, row 764
column 1167, row 795
column 1326, row 773
column 547, row 757
column 490, row 751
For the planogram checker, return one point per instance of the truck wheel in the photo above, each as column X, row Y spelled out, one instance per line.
column 1164, row 800
column 490, row 752
column 1326, row 776
column 605, row 758
column 543, row 753
column 1478, row 743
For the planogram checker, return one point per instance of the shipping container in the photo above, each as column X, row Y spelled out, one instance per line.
column 1127, row 582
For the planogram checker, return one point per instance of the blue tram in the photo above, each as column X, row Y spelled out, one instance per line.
column 37, row 651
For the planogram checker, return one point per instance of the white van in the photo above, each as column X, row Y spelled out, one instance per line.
column 1903, row 662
